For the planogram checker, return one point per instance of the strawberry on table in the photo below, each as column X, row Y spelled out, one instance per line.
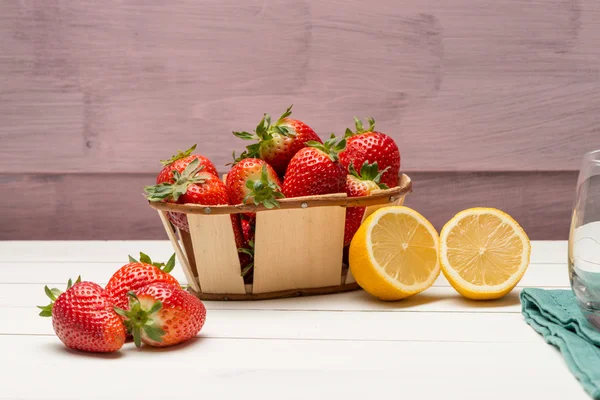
column 372, row 146
column 161, row 314
column 252, row 180
column 315, row 170
column 278, row 142
column 83, row 318
column 359, row 185
column 180, row 161
column 137, row 274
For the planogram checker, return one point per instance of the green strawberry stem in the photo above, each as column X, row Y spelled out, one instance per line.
column 263, row 191
column 331, row 147
column 138, row 319
column 360, row 128
column 53, row 295
column 180, row 154
column 144, row 258
column 263, row 133
column 249, row 251
column 369, row 172
column 168, row 191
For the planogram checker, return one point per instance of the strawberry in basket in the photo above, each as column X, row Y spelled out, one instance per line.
column 251, row 180
column 359, row 185
column 179, row 161
column 193, row 185
column 316, row 170
column 371, row 146
column 278, row 142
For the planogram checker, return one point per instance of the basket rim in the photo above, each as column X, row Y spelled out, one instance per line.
column 335, row 199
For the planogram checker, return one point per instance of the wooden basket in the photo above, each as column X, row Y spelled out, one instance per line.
column 298, row 247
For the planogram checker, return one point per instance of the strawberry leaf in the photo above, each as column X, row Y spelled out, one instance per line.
column 369, row 172
column 170, row 265
column 145, row 258
column 132, row 260
column 245, row 135
column 180, row 154
column 331, row 147
column 172, row 191
column 263, row 191
column 154, row 332
column 139, row 320
column 286, row 114
column 360, row 127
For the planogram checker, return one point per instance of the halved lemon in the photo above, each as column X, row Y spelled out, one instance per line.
column 394, row 253
column 484, row 253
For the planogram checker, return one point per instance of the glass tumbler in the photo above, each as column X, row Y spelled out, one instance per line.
column 584, row 239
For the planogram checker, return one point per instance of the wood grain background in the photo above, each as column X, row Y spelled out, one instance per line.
column 491, row 102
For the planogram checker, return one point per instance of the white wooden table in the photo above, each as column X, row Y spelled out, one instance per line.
column 348, row 346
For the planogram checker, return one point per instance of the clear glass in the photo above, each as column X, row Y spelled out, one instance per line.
column 584, row 239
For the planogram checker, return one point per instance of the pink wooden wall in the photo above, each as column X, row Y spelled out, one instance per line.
column 492, row 102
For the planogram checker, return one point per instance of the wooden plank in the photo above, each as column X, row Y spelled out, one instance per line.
column 57, row 273
column 434, row 299
column 181, row 255
column 84, row 86
column 298, row 248
column 216, row 254
column 541, row 202
column 330, row 325
column 272, row 367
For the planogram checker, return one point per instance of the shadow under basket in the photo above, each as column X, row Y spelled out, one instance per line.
column 298, row 247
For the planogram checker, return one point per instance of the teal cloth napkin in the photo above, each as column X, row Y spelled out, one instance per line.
column 554, row 314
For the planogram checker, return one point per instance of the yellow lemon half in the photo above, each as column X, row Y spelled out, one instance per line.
column 394, row 253
column 484, row 253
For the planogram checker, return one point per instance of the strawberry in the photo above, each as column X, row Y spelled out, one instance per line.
column 180, row 161
column 248, row 226
column 277, row 143
column 83, row 318
column 358, row 185
column 315, row 170
column 137, row 274
column 371, row 146
column 253, row 180
column 161, row 314
column 192, row 185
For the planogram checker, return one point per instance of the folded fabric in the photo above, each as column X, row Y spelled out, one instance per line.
column 554, row 314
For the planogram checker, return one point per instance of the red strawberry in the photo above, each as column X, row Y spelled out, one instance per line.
column 197, row 187
column 358, row 185
column 315, row 170
column 192, row 185
column 367, row 145
column 137, row 274
column 248, row 226
column 162, row 315
column 180, row 161
column 277, row 143
column 83, row 318
column 253, row 180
